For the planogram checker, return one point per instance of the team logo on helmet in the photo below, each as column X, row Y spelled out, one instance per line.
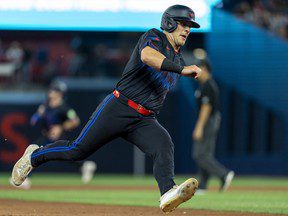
column 191, row 15
column 177, row 13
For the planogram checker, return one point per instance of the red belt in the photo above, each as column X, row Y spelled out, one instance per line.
column 138, row 107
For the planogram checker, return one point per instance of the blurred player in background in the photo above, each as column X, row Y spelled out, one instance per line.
column 56, row 118
column 207, row 127
column 130, row 111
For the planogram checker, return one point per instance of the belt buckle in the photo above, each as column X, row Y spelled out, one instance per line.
column 116, row 93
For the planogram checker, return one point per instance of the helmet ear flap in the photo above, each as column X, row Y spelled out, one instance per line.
column 168, row 24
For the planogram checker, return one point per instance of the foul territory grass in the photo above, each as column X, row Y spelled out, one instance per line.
column 245, row 200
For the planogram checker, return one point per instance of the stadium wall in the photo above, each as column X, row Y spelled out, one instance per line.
column 250, row 64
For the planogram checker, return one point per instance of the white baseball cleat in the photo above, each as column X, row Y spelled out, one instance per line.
column 23, row 166
column 88, row 168
column 26, row 185
column 177, row 195
column 227, row 181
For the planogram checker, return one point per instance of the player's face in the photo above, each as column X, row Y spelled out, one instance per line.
column 54, row 98
column 181, row 33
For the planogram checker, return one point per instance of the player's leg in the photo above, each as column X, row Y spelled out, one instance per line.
column 150, row 137
column 226, row 178
column 27, row 182
column 203, row 150
column 88, row 169
column 203, row 179
column 199, row 153
column 156, row 142
column 95, row 134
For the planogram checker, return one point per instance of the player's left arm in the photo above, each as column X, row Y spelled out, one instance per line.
column 152, row 57
column 158, row 61
column 72, row 121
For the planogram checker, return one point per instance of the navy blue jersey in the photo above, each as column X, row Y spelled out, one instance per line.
column 142, row 83
column 57, row 115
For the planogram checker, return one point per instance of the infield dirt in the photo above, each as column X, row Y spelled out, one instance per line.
column 29, row 208
column 10, row 207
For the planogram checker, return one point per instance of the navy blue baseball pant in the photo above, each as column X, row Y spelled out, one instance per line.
column 114, row 118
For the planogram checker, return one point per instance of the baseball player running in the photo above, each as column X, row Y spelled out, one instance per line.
column 130, row 111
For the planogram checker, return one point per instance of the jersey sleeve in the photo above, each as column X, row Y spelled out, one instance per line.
column 206, row 96
column 152, row 40
column 71, row 114
column 68, row 113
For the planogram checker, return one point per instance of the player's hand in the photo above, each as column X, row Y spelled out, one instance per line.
column 41, row 110
column 191, row 71
column 198, row 133
column 55, row 132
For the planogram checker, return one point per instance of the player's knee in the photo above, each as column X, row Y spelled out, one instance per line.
column 200, row 159
column 166, row 144
column 77, row 153
column 164, row 153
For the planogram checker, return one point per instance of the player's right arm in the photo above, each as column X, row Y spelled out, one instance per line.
column 153, row 58
column 37, row 115
column 204, row 114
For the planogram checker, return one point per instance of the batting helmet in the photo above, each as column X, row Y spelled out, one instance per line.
column 58, row 86
column 177, row 13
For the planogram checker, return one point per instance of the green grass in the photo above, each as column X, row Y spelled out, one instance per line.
column 245, row 201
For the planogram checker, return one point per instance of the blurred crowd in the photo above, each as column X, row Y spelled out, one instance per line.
column 31, row 63
column 268, row 14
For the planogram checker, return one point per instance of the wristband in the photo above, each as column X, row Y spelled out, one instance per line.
column 168, row 65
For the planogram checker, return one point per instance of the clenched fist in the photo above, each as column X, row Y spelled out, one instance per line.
column 191, row 71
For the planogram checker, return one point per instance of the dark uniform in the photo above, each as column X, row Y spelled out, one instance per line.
column 129, row 112
column 203, row 151
column 52, row 116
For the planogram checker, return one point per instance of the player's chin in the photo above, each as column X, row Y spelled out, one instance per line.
column 182, row 42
